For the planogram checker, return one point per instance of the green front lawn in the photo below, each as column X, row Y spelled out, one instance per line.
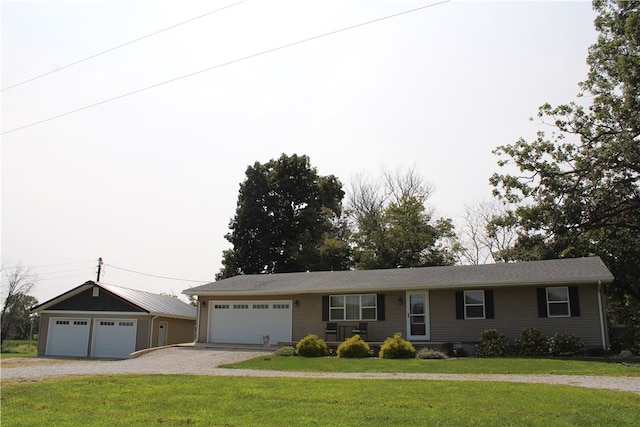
column 467, row 365
column 242, row 401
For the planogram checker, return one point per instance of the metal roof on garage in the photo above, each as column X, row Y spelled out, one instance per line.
column 154, row 304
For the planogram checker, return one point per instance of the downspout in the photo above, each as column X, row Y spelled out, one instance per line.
column 602, row 326
column 151, row 330
column 197, row 338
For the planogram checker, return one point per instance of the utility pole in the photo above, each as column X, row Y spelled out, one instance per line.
column 99, row 268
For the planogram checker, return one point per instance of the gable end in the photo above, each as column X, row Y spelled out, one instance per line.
column 105, row 301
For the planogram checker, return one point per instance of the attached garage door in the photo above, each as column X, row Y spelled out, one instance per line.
column 68, row 337
column 114, row 338
column 249, row 322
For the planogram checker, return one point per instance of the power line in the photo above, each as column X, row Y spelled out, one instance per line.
column 65, row 263
column 264, row 52
column 63, row 271
column 119, row 46
column 156, row 276
column 65, row 277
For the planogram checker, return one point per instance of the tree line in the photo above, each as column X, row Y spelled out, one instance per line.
column 577, row 194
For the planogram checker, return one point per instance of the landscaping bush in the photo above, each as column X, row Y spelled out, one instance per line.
column 397, row 348
column 354, row 347
column 311, row 346
column 531, row 343
column 565, row 345
column 492, row 344
column 286, row 351
column 427, row 353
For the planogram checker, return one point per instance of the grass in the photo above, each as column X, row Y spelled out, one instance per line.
column 468, row 365
column 18, row 348
column 243, row 401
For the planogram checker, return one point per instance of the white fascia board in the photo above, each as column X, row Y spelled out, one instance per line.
column 66, row 313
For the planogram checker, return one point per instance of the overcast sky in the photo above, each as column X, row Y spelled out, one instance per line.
column 150, row 181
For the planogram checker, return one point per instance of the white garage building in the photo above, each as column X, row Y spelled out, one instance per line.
column 105, row 321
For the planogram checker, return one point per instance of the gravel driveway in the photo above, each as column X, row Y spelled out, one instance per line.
column 181, row 360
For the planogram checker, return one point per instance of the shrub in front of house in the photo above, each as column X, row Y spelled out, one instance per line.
column 397, row 348
column 286, row 351
column 562, row 344
column 427, row 353
column 531, row 343
column 311, row 346
column 492, row 344
column 354, row 347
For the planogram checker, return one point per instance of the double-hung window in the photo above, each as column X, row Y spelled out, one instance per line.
column 474, row 304
column 353, row 307
column 558, row 302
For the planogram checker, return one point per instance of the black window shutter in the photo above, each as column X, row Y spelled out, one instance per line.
column 542, row 302
column 381, row 307
column 488, row 305
column 459, row 305
column 325, row 308
column 574, row 301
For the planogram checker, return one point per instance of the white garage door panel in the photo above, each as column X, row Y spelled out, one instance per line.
column 114, row 338
column 68, row 337
column 247, row 322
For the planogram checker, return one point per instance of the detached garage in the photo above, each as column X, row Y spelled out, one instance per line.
column 105, row 321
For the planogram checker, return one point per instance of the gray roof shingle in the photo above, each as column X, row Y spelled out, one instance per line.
column 558, row 271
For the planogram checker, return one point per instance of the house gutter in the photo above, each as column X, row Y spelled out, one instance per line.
column 602, row 326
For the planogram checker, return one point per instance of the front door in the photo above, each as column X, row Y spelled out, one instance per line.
column 162, row 334
column 418, row 315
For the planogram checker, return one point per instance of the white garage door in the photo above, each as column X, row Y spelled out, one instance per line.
column 114, row 338
column 249, row 322
column 67, row 337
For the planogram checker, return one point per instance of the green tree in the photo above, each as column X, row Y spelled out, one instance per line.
column 578, row 192
column 393, row 228
column 14, row 319
column 287, row 219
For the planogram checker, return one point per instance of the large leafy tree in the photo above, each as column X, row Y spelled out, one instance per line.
column 578, row 189
column 18, row 282
column 287, row 219
column 392, row 226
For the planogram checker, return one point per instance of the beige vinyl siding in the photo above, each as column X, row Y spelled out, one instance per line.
column 515, row 309
column 178, row 330
column 307, row 318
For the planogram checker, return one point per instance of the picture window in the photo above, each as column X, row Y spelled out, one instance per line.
column 353, row 307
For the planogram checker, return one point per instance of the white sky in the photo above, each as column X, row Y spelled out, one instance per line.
column 149, row 182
